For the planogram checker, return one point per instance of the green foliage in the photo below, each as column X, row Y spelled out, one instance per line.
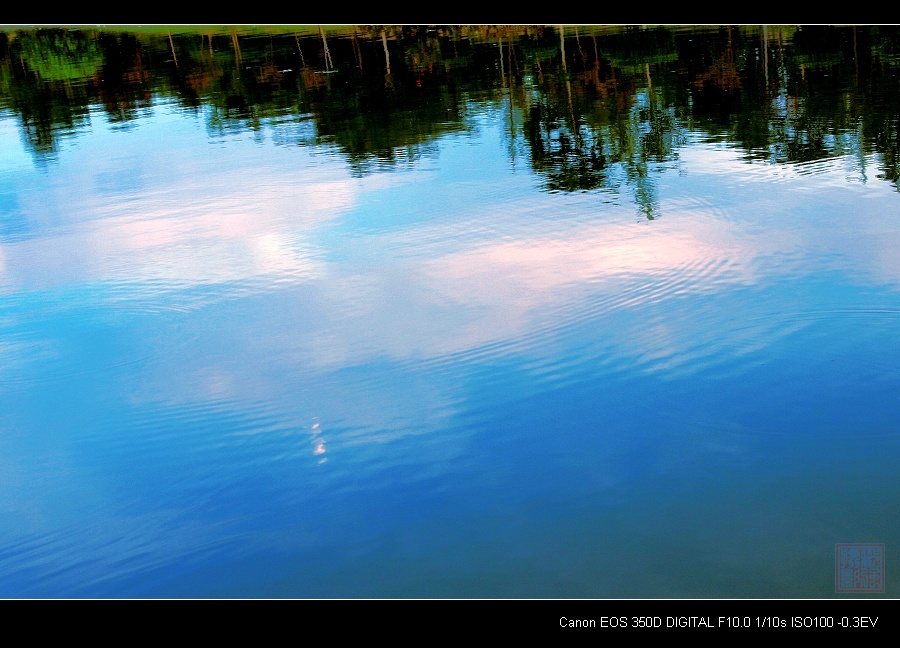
column 60, row 55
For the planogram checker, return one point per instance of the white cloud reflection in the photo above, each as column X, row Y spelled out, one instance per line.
column 514, row 274
column 516, row 289
column 179, row 234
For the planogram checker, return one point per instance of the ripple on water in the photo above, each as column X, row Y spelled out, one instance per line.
column 59, row 339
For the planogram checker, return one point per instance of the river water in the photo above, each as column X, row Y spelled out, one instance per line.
column 457, row 312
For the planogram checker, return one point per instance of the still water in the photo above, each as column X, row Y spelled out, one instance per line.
column 451, row 312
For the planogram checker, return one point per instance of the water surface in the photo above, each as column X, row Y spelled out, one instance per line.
column 449, row 312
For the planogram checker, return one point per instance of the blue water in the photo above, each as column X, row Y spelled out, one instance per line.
column 232, row 366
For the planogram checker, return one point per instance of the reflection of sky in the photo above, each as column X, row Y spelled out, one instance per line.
column 12, row 154
column 482, row 265
column 166, row 209
column 191, row 326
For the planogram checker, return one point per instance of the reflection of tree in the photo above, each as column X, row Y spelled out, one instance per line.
column 60, row 55
column 591, row 108
column 124, row 87
column 788, row 95
column 569, row 162
column 723, row 74
column 47, row 81
column 605, row 132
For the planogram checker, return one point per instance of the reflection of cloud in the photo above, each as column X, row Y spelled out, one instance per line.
column 161, row 207
column 230, row 236
column 832, row 216
column 886, row 260
column 515, row 288
column 533, row 272
column 499, row 273
column 496, row 292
